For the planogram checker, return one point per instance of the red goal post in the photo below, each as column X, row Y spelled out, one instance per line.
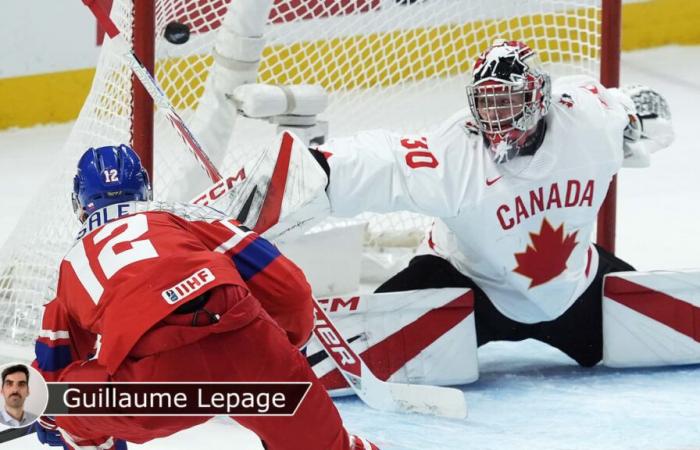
column 143, row 32
column 611, row 40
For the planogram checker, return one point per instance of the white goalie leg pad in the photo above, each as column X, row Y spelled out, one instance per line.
column 651, row 319
column 281, row 194
column 421, row 337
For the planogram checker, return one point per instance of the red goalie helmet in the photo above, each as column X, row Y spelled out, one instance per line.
column 508, row 96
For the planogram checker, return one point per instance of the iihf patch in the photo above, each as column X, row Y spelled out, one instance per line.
column 188, row 286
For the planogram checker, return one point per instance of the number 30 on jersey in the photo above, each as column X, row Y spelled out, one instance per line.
column 418, row 155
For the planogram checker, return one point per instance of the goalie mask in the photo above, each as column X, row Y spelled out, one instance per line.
column 508, row 96
column 108, row 175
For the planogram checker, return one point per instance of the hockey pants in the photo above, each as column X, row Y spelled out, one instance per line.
column 257, row 351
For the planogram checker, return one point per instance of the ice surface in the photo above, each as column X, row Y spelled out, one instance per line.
column 529, row 396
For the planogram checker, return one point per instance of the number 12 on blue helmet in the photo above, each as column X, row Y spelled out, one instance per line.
column 108, row 175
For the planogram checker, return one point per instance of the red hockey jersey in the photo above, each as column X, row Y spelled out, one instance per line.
column 135, row 263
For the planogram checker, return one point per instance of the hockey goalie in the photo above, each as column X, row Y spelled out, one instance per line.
column 515, row 182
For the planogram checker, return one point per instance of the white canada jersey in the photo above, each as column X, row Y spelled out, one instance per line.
column 521, row 229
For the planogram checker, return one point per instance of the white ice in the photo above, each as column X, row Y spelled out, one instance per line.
column 529, row 395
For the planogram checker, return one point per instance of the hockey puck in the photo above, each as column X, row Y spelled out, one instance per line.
column 177, row 33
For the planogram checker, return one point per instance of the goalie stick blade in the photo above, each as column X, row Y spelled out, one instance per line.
column 408, row 398
column 433, row 400
column 378, row 394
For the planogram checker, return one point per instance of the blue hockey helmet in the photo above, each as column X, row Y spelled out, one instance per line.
column 108, row 175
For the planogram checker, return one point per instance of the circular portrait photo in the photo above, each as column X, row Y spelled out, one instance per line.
column 24, row 395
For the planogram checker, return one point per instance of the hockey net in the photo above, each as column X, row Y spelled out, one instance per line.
column 397, row 64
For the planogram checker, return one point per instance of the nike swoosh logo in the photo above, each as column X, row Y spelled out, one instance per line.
column 490, row 182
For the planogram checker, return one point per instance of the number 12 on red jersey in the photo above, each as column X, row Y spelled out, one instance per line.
column 126, row 230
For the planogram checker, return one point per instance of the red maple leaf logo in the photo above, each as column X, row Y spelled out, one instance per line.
column 546, row 257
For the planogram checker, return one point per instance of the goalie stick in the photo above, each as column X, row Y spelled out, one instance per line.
column 378, row 394
column 384, row 395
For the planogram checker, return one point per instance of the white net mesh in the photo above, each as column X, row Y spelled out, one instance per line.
column 396, row 64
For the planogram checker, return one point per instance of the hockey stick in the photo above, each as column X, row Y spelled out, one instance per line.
column 149, row 83
column 14, row 433
column 378, row 394
column 384, row 395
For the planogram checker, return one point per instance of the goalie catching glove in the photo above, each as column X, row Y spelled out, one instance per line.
column 654, row 113
column 649, row 129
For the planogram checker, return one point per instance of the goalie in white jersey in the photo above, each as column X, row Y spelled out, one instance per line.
column 516, row 187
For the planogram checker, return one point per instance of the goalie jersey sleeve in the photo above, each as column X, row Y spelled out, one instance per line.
column 124, row 275
column 380, row 171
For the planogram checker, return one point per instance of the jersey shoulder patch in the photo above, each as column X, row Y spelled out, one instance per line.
column 567, row 100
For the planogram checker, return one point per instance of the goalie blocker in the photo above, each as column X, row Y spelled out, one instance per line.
column 424, row 337
column 279, row 194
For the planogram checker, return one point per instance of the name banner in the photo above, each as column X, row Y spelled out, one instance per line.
column 175, row 399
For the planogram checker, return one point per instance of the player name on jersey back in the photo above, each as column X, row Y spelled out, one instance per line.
column 104, row 215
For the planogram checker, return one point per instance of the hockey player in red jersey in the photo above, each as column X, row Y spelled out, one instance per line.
column 175, row 292
column 515, row 182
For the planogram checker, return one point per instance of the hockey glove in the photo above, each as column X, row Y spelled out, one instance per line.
column 654, row 114
column 649, row 128
column 47, row 432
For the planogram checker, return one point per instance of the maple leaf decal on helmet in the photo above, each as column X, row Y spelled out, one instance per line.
column 546, row 256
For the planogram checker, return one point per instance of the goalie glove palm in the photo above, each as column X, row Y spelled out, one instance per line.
column 648, row 103
column 654, row 116
column 649, row 128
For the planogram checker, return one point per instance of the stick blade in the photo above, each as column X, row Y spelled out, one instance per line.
column 433, row 400
column 413, row 398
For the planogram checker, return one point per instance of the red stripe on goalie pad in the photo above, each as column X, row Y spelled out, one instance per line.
column 663, row 308
column 391, row 354
column 272, row 205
